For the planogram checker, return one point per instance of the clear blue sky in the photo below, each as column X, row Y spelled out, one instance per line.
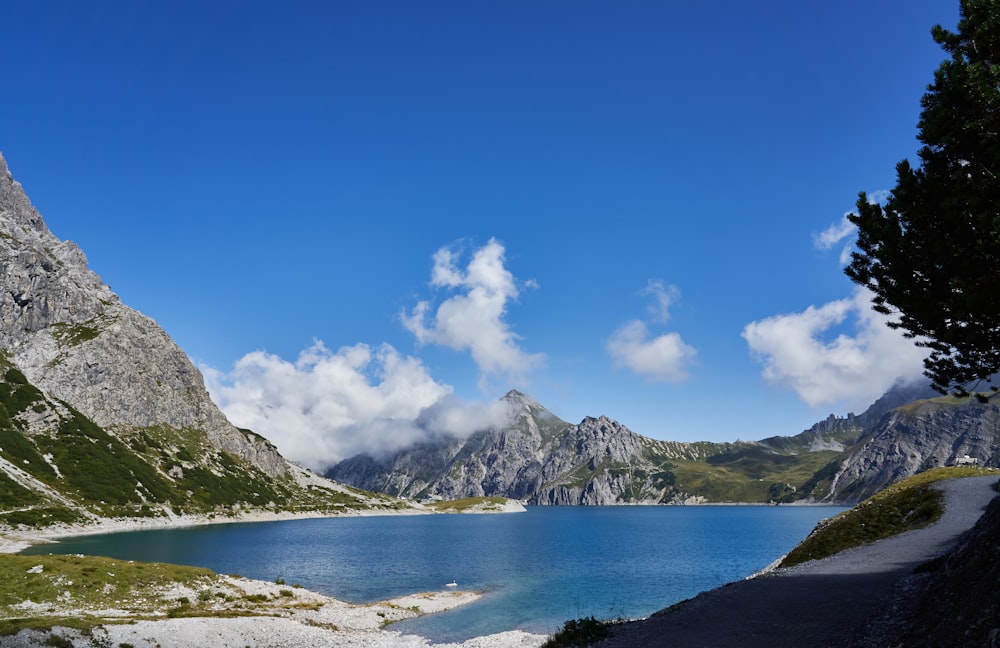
column 615, row 207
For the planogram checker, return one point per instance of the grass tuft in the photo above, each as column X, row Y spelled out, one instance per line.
column 468, row 504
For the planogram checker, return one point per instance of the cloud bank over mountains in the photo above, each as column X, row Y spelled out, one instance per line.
column 327, row 406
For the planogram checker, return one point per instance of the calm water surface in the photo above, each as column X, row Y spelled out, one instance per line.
column 537, row 569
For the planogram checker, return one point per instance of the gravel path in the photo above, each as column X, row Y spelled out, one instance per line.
column 821, row 603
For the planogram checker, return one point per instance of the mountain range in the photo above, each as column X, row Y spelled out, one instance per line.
column 541, row 459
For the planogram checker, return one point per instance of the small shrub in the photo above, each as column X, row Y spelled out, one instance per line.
column 58, row 641
column 578, row 632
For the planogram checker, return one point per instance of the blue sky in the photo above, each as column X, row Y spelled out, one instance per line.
column 347, row 212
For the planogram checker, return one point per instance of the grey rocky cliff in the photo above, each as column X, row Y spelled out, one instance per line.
column 606, row 450
column 921, row 435
column 72, row 336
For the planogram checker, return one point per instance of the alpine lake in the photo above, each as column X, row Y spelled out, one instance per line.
column 536, row 569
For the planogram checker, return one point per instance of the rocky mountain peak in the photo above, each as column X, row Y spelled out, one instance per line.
column 521, row 401
column 73, row 337
column 17, row 207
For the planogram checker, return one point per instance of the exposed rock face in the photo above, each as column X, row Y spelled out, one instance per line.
column 839, row 433
column 922, row 435
column 605, row 447
column 72, row 336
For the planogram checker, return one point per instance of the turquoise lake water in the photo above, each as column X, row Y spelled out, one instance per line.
column 537, row 569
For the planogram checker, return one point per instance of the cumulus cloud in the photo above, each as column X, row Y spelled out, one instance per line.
column 662, row 358
column 327, row 406
column 473, row 318
column 852, row 369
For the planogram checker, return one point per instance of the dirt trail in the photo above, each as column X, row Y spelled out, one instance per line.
column 821, row 603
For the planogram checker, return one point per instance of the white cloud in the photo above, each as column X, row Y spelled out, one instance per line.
column 473, row 318
column 850, row 369
column 451, row 417
column 663, row 296
column 845, row 254
column 663, row 358
column 327, row 406
column 879, row 196
column 835, row 233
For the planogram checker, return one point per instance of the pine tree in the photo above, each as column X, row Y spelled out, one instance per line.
column 931, row 253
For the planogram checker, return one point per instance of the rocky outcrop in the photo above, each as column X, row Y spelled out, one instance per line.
column 73, row 337
column 592, row 464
